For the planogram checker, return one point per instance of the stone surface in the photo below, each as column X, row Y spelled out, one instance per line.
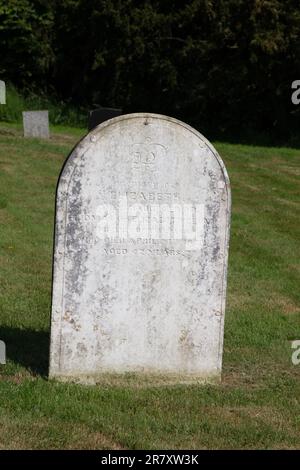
column 141, row 245
column 36, row 124
column 2, row 352
column 2, row 92
column 97, row 116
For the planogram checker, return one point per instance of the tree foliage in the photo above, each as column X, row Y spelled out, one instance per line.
column 225, row 66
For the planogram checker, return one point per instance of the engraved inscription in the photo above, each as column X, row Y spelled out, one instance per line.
column 145, row 196
column 144, row 154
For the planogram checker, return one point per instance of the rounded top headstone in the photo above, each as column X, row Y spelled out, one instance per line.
column 139, row 122
column 141, row 243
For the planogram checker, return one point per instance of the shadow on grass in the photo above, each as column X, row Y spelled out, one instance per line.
column 27, row 348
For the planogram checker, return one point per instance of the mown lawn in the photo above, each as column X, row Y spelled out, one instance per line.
column 258, row 403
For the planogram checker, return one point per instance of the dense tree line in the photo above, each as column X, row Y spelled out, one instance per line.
column 225, row 66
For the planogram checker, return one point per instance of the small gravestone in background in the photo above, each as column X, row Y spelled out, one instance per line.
column 97, row 116
column 2, row 92
column 141, row 246
column 36, row 124
column 2, row 352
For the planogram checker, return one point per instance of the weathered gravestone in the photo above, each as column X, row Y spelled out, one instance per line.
column 99, row 115
column 2, row 92
column 140, row 263
column 2, row 352
column 36, row 124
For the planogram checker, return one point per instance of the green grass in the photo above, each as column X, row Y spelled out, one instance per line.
column 257, row 404
column 60, row 113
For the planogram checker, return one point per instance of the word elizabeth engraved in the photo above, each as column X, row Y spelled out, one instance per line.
column 141, row 247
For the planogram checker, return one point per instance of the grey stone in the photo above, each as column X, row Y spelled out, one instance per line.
column 2, row 352
column 2, row 92
column 141, row 247
column 36, row 124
